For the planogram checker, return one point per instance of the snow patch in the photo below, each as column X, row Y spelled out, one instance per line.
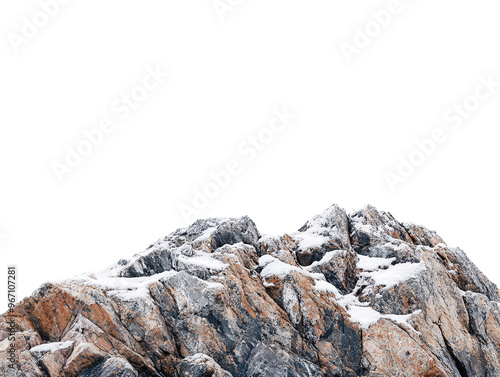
column 365, row 228
column 203, row 259
column 198, row 358
column 324, row 286
column 51, row 347
column 395, row 274
column 371, row 264
column 269, row 237
column 124, row 288
column 326, row 258
column 310, row 240
column 128, row 289
column 366, row 316
column 206, row 234
column 275, row 267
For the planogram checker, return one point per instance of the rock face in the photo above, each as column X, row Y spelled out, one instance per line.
column 346, row 295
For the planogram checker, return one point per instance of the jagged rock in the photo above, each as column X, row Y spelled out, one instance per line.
column 411, row 357
column 25, row 364
column 52, row 357
column 270, row 244
column 339, row 269
column 465, row 274
column 346, row 295
column 111, row 367
column 204, row 236
column 422, row 236
column 325, row 232
column 264, row 363
column 83, row 356
column 201, row 365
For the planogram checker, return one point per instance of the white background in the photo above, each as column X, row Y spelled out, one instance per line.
column 354, row 120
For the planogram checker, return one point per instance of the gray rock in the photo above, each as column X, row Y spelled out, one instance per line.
column 264, row 363
column 201, row 365
column 111, row 367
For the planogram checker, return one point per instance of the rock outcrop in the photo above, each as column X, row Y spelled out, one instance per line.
column 346, row 295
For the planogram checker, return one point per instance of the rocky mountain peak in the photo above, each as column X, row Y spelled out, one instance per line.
column 345, row 295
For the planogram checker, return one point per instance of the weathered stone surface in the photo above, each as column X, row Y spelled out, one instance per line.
column 83, row 356
column 111, row 367
column 52, row 357
column 410, row 357
column 346, row 295
column 339, row 269
column 201, row 365
column 331, row 228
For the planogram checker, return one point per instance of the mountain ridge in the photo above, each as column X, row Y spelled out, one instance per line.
column 345, row 295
